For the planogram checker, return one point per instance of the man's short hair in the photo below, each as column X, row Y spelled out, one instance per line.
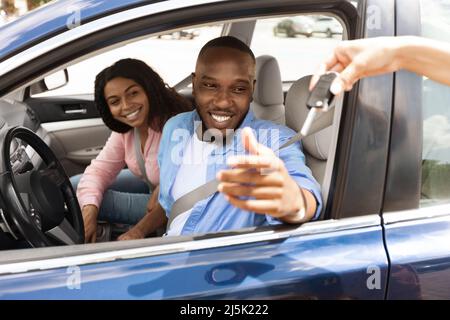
column 227, row 42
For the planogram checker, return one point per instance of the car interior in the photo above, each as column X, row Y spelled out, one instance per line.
column 74, row 133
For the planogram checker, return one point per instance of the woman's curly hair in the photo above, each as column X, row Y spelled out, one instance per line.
column 164, row 101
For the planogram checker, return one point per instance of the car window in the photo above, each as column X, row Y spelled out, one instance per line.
column 299, row 43
column 435, row 16
column 173, row 55
column 180, row 48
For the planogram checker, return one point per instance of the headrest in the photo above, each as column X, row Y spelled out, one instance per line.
column 269, row 89
column 316, row 144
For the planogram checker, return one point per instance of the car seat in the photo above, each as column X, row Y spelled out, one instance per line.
column 268, row 96
column 316, row 146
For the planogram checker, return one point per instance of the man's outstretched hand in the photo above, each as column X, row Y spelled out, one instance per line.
column 262, row 176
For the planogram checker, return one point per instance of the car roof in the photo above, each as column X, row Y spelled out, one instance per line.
column 53, row 18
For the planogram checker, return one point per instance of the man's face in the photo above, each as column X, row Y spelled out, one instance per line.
column 223, row 86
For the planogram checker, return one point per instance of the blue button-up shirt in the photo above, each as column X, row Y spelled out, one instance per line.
column 215, row 213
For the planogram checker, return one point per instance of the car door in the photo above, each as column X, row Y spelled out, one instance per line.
column 416, row 210
column 324, row 260
column 73, row 127
column 341, row 257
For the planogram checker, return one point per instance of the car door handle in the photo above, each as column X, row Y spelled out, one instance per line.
column 84, row 156
column 75, row 111
column 75, row 108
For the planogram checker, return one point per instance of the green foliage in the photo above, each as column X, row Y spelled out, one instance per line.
column 31, row 4
column 435, row 180
column 39, row 2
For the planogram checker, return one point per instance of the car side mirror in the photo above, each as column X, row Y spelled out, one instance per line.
column 52, row 82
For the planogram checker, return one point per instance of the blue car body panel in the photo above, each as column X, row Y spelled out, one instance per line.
column 334, row 265
column 53, row 19
column 420, row 259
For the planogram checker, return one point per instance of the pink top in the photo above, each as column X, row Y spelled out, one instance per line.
column 117, row 152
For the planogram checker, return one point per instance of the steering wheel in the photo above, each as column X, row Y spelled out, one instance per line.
column 40, row 202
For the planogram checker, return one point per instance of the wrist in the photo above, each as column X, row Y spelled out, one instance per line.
column 90, row 209
column 296, row 217
column 298, row 212
column 137, row 229
column 403, row 46
column 142, row 228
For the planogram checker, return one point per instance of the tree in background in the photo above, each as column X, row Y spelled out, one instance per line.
column 9, row 7
column 32, row 4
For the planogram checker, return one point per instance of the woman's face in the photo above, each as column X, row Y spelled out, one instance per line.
column 127, row 102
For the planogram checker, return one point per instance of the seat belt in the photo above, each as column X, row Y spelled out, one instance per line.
column 187, row 201
column 140, row 158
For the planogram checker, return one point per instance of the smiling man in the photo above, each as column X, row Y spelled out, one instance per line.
column 222, row 139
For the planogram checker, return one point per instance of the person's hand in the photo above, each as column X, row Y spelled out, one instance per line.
column 132, row 234
column 153, row 201
column 154, row 218
column 90, row 214
column 356, row 59
column 262, row 176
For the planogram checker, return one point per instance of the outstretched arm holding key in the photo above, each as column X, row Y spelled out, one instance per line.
column 369, row 57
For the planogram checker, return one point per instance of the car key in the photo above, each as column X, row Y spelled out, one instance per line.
column 321, row 96
column 321, row 99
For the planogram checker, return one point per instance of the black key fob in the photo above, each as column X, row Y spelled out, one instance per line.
column 321, row 96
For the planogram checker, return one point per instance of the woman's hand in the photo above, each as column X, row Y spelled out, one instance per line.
column 154, row 218
column 90, row 214
column 132, row 234
column 356, row 59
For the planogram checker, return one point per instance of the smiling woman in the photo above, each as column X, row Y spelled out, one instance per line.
column 128, row 95
column 128, row 103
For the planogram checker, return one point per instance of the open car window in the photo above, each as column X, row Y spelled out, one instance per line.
column 179, row 47
column 297, row 54
column 299, row 42
column 173, row 55
column 435, row 187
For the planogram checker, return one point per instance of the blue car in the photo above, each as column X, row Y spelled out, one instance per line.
column 383, row 160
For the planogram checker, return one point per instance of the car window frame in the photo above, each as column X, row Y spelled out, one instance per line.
column 285, row 6
column 403, row 178
column 25, row 260
column 147, row 22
